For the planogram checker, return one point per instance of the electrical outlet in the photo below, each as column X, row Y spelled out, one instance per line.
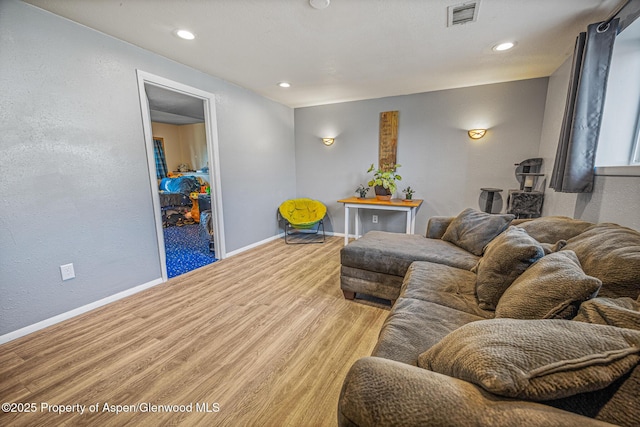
column 67, row 271
column 375, row 219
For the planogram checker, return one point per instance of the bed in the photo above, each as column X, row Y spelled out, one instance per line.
column 174, row 195
column 175, row 191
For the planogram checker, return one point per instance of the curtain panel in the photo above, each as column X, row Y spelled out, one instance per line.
column 573, row 170
column 161, row 161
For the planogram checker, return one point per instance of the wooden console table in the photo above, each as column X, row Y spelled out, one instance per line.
column 410, row 207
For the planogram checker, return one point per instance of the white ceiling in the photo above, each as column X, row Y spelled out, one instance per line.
column 353, row 49
column 166, row 106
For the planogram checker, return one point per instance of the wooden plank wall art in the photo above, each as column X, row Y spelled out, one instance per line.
column 388, row 138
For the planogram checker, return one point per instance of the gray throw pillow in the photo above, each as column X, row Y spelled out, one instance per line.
column 620, row 312
column 535, row 359
column 550, row 229
column 505, row 258
column 472, row 230
column 552, row 288
column 611, row 253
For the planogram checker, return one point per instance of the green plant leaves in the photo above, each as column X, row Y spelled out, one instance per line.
column 385, row 176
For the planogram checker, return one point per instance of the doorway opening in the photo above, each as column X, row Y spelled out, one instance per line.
column 180, row 131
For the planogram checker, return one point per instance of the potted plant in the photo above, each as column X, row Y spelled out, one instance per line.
column 362, row 191
column 384, row 180
column 408, row 193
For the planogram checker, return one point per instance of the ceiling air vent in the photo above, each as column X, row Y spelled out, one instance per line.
column 462, row 13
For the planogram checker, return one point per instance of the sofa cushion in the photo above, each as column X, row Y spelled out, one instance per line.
column 505, row 258
column 393, row 253
column 612, row 254
column 620, row 312
column 615, row 404
column 552, row 288
column 437, row 226
column 384, row 393
column 550, row 229
column 444, row 285
column 472, row 229
column 535, row 359
column 550, row 248
column 414, row 325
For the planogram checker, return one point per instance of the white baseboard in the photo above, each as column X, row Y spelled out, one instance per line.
column 333, row 233
column 85, row 308
column 76, row 311
column 255, row 245
column 272, row 238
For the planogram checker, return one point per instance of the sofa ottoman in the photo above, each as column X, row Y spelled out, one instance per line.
column 376, row 263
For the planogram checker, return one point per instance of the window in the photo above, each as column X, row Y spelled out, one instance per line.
column 618, row 144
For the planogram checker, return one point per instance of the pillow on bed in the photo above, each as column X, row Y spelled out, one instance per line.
column 552, row 288
column 505, row 258
column 535, row 359
column 472, row 230
column 183, row 184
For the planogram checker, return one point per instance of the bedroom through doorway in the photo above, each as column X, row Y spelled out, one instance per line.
column 183, row 177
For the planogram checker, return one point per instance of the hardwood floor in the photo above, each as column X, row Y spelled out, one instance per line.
column 263, row 338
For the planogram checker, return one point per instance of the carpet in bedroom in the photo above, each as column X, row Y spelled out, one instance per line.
column 186, row 249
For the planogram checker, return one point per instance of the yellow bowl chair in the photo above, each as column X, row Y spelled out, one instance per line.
column 303, row 214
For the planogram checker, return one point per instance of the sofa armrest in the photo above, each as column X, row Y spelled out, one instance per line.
column 437, row 225
column 380, row 392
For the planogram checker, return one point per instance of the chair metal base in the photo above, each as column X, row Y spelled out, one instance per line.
column 288, row 226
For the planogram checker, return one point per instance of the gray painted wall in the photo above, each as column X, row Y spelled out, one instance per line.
column 444, row 166
column 74, row 180
column 614, row 199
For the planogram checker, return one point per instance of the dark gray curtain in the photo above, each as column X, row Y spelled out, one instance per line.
column 573, row 170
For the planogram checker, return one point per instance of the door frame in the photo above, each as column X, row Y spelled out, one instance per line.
column 211, row 130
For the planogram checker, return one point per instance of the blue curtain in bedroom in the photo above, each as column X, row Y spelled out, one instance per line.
column 161, row 162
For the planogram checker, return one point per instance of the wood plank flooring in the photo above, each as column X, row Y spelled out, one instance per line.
column 263, row 338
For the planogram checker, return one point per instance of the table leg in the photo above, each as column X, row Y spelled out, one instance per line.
column 357, row 225
column 346, row 225
column 408, row 228
column 413, row 220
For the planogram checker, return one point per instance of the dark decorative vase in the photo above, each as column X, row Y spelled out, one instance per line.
column 382, row 193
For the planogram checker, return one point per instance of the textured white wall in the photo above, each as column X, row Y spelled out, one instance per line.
column 75, row 186
column 438, row 159
column 555, row 203
column 193, row 140
column 183, row 144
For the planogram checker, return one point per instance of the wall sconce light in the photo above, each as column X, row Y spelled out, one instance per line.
column 477, row 133
column 328, row 141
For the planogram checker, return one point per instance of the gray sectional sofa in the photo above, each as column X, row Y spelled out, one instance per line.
column 498, row 322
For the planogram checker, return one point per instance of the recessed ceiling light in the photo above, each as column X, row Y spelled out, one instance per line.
column 504, row 46
column 319, row 4
column 284, row 84
column 185, row 34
